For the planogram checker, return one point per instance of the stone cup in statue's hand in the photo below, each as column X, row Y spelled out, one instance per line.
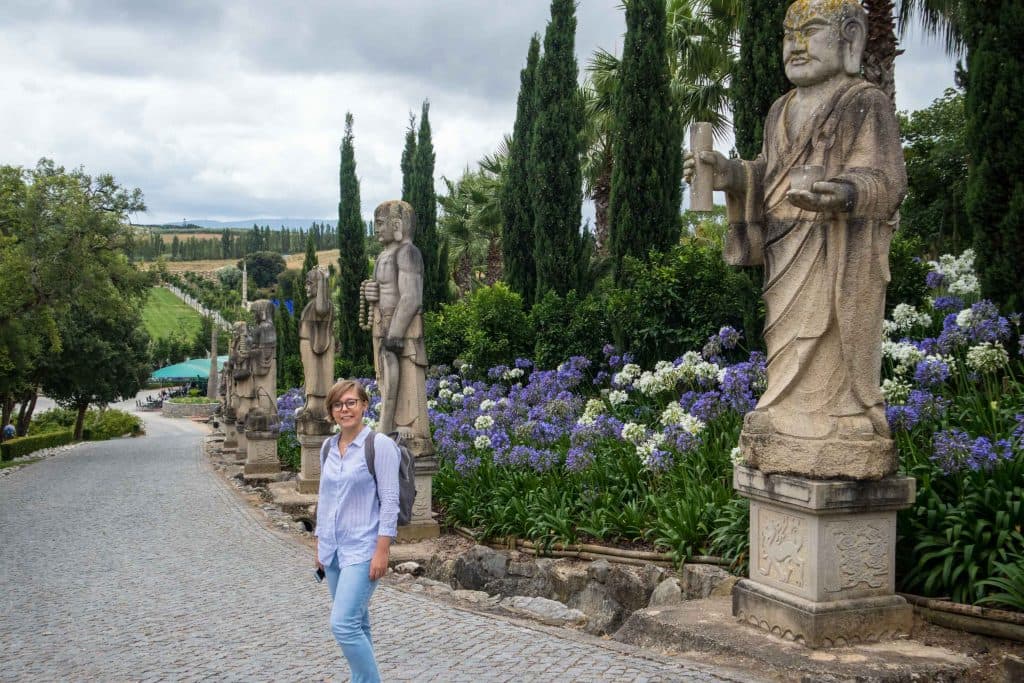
column 371, row 290
column 802, row 178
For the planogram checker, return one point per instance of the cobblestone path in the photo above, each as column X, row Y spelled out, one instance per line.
column 131, row 560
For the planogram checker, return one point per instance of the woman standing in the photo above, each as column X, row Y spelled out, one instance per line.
column 355, row 522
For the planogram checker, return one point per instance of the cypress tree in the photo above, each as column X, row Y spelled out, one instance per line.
column 352, row 269
column 424, row 203
column 646, row 185
column 308, row 264
column 993, row 104
column 556, row 180
column 408, row 154
column 516, row 208
column 760, row 78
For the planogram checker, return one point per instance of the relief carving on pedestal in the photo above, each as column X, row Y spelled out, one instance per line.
column 782, row 555
column 861, row 555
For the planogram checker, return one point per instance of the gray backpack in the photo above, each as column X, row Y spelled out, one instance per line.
column 406, row 470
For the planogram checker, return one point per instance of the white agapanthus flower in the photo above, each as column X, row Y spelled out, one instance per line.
column 483, row 422
column 432, row 404
column 444, row 394
column 906, row 318
column 487, row 404
column 895, row 391
column 466, row 368
column 370, row 422
column 736, row 457
column 629, row 372
column 633, row 432
column 965, row 285
column 691, row 424
column 964, row 318
column 889, row 328
column 617, row 397
column 468, row 391
column 482, row 441
column 443, row 384
column 512, row 373
column 904, row 356
column 987, row 357
column 673, row 415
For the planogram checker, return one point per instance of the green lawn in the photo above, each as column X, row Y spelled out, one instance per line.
column 165, row 315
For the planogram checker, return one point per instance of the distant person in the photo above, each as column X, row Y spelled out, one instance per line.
column 356, row 520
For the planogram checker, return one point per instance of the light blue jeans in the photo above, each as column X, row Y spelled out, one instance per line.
column 351, row 590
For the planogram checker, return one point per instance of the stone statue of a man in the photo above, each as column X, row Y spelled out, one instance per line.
column 316, row 344
column 262, row 348
column 400, row 358
column 817, row 209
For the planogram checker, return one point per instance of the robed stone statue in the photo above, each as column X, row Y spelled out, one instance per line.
column 817, row 209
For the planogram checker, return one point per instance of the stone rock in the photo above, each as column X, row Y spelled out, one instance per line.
column 479, row 566
column 627, row 587
column 603, row 614
column 598, row 571
column 724, row 589
column 432, row 587
column 567, row 578
column 475, row 597
column 667, row 593
column 1013, row 668
column 547, row 611
column 413, row 568
column 521, row 568
column 440, row 569
column 699, row 580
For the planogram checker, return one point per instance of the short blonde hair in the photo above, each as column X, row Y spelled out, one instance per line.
column 342, row 387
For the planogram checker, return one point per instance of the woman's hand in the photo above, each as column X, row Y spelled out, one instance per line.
column 379, row 562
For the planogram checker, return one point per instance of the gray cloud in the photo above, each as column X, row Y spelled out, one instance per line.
column 233, row 110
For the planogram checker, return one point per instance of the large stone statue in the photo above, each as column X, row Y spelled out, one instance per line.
column 316, row 343
column 242, row 386
column 395, row 295
column 261, row 423
column 817, row 209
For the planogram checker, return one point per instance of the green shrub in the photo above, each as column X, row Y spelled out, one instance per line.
column 53, row 420
column 17, row 447
column 569, row 327
column 487, row 328
column 907, row 272
column 108, row 424
column 289, row 452
column 192, row 399
column 678, row 299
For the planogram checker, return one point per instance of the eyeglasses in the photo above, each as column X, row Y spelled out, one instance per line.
column 350, row 404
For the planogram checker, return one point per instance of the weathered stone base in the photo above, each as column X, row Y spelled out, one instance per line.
column 298, row 505
column 772, row 453
column 261, row 455
column 307, row 486
column 822, row 624
column 418, row 531
column 311, row 434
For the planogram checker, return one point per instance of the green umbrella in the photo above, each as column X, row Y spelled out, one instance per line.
column 193, row 368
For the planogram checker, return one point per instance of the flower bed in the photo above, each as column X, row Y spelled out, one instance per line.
column 620, row 455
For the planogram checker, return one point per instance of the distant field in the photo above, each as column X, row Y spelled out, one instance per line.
column 165, row 315
column 293, row 261
column 168, row 237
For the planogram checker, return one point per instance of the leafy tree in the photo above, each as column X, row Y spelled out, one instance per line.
column 408, row 155
column 646, row 186
column 424, row 203
column 555, row 150
column 263, row 267
column 517, row 240
column 995, row 136
column 760, row 77
column 935, row 149
column 351, row 259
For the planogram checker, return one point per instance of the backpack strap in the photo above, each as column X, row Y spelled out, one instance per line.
column 325, row 449
column 371, row 456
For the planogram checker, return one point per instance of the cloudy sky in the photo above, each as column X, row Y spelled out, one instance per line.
column 232, row 110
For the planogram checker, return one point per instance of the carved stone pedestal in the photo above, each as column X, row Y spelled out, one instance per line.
column 860, row 459
column 822, row 558
column 242, row 449
column 423, row 524
column 311, row 435
column 261, row 455
column 230, row 436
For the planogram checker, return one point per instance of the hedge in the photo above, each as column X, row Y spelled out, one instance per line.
column 17, row 447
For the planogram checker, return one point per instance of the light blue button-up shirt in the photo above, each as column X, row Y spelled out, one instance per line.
column 351, row 511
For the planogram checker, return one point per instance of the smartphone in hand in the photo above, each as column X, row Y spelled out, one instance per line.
column 319, row 574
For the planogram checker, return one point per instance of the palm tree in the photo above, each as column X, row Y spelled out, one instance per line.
column 598, row 95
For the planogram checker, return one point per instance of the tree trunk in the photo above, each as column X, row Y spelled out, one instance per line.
column 495, row 266
column 7, row 408
column 880, row 52
column 80, row 421
column 28, row 404
column 602, row 193
column 463, row 273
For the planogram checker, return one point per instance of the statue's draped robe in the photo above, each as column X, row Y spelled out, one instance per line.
column 316, row 348
column 825, row 273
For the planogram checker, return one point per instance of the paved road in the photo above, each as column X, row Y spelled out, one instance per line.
column 132, row 560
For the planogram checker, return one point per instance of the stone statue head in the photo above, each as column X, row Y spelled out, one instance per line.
column 262, row 310
column 394, row 221
column 315, row 279
column 823, row 39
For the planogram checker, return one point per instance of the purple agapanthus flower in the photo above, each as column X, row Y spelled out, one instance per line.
column 955, row 450
column 729, row 337
column 948, row 304
column 931, row 373
column 934, row 279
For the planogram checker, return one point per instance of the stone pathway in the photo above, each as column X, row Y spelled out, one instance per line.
column 130, row 560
